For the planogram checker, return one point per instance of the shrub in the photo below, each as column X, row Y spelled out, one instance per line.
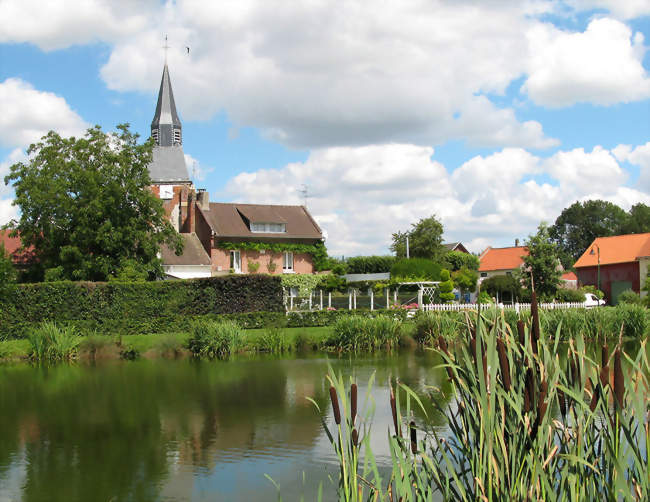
column 456, row 260
column 274, row 340
column 430, row 325
column 215, row 339
column 253, row 267
column 445, row 287
column 570, row 295
column 630, row 297
column 420, row 268
column 94, row 344
column 169, row 346
column 49, row 341
column 369, row 264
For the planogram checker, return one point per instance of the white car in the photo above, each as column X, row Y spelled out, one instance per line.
column 591, row 300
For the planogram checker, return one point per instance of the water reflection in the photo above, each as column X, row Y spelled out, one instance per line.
column 183, row 430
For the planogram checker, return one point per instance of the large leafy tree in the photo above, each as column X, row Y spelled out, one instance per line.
column 541, row 264
column 579, row 224
column 425, row 240
column 638, row 220
column 86, row 208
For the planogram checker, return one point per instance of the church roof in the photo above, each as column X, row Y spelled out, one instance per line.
column 166, row 107
column 168, row 165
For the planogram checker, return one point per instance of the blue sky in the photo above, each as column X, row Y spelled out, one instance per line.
column 493, row 117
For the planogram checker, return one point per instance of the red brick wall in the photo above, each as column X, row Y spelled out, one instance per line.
column 302, row 262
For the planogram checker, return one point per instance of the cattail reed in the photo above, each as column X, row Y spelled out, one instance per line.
column 393, row 409
column 604, row 369
column 503, row 362
column 442, row 344
column 528, row 391
column 335, row 405
column 619, row 382
column 414, row 438
column 353, row 402
column 595, row 396
column 573, row 364
column 534, row 311
column 355, row 437
column 521, row 331
column 562, row 402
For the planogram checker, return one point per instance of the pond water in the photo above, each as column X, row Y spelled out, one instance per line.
column 184, row 430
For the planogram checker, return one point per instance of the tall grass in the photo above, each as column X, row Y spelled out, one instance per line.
column 275, row 340
column 49, row 341
column 215, row 339
column 357, row 333
column 524, row 424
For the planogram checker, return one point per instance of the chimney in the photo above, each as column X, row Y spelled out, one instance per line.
column 203, row 199
column 516, row 243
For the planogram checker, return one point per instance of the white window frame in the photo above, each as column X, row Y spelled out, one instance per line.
column 268, row 228
column 287, row 262
column 235, row 260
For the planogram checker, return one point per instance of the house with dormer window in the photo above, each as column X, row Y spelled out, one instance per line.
column 221, row 238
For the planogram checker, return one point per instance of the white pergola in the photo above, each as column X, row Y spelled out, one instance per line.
column 424, row 288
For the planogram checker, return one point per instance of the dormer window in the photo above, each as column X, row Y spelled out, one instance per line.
column 269, row 228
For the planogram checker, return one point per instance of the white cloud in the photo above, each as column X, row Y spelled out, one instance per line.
column 361, row 195
column 195, row 169
column 7, row 211
column 28, row 114
column 639, row 156
column 603, row 65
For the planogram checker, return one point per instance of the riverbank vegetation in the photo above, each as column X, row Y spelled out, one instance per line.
column 524, row 423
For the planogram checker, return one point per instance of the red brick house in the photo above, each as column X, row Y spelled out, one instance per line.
column 239, row 238
column 621, row 261
column 12, row 245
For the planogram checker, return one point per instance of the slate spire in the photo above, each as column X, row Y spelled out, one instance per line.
column 166, row 128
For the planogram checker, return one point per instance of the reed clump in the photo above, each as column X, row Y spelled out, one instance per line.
column 215, row 339
column 357, row 333
column 524, row 424
column 49, row 341
column 275, row 340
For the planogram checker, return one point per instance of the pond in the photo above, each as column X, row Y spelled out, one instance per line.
column 185, row 430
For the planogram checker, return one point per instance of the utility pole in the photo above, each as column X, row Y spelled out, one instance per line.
column 407, row 246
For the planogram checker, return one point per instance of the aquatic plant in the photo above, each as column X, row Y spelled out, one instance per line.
column 275, row 340
column 49, row 341
column 215, row 339
column 357, row 333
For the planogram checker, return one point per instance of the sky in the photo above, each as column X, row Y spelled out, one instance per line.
column 492, row 115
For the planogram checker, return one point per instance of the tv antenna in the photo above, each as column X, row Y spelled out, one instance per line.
column 304, row 192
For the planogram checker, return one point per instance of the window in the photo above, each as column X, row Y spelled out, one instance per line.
column 154, row 135
column 269, row 228
column 508, row 273
column 287, row 262
column 483, row 274
column 177, row 136
column 235, row 261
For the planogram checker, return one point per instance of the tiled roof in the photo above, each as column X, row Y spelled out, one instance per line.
column 569, row 276
column 193, row 252
column 12, row 246
column 229, row 220
column 502, row 258
column 455, row 246
column 615, row 249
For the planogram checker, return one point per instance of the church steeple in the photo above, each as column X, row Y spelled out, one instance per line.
column 166, row 128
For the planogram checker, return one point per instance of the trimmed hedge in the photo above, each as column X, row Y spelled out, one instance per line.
column 143, row 307
column 370, row 264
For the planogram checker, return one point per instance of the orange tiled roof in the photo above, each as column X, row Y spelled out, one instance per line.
column 569, row 276
column 615, row 249
column 502, row 258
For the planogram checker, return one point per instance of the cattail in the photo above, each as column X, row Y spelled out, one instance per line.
column 353, row 401
column 393, row 409
column 335, row 406
column 355, row 437
column 604, row 369
column 595, row 396
column 541, row 402
column 521, row 330
column 503, row 362
column 619, row 382
column 414, row 439
column 534, row 310
column 472, row 346
column 574, row 369
column 528, row 390
column 442, row 343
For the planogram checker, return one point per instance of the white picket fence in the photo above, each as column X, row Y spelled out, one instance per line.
column 442, row 307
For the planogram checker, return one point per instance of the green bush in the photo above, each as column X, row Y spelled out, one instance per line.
column 430, row 325
column 570, row 295
column 370, row 264
column 215, row 339
column 416, row 268
column 49, row 341
column 630, row 297
column 136, row 306
column 274, row 340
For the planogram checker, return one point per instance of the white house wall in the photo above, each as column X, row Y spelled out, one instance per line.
column 188, row 271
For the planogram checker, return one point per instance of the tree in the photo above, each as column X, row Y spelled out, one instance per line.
column 86, row 207
column 425, row 240
column 579, row 224
column 638, row 220
column 542, row 262
column 497, row 285
column 465, row 279
column 458, row 260
column 446, row 287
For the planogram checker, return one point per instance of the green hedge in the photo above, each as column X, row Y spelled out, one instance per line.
column 369, row 264
column 136, row 307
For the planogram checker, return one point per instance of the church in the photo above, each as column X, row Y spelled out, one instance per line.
column 221, row 237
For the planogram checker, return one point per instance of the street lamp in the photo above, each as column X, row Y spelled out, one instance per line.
column 592, row 253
